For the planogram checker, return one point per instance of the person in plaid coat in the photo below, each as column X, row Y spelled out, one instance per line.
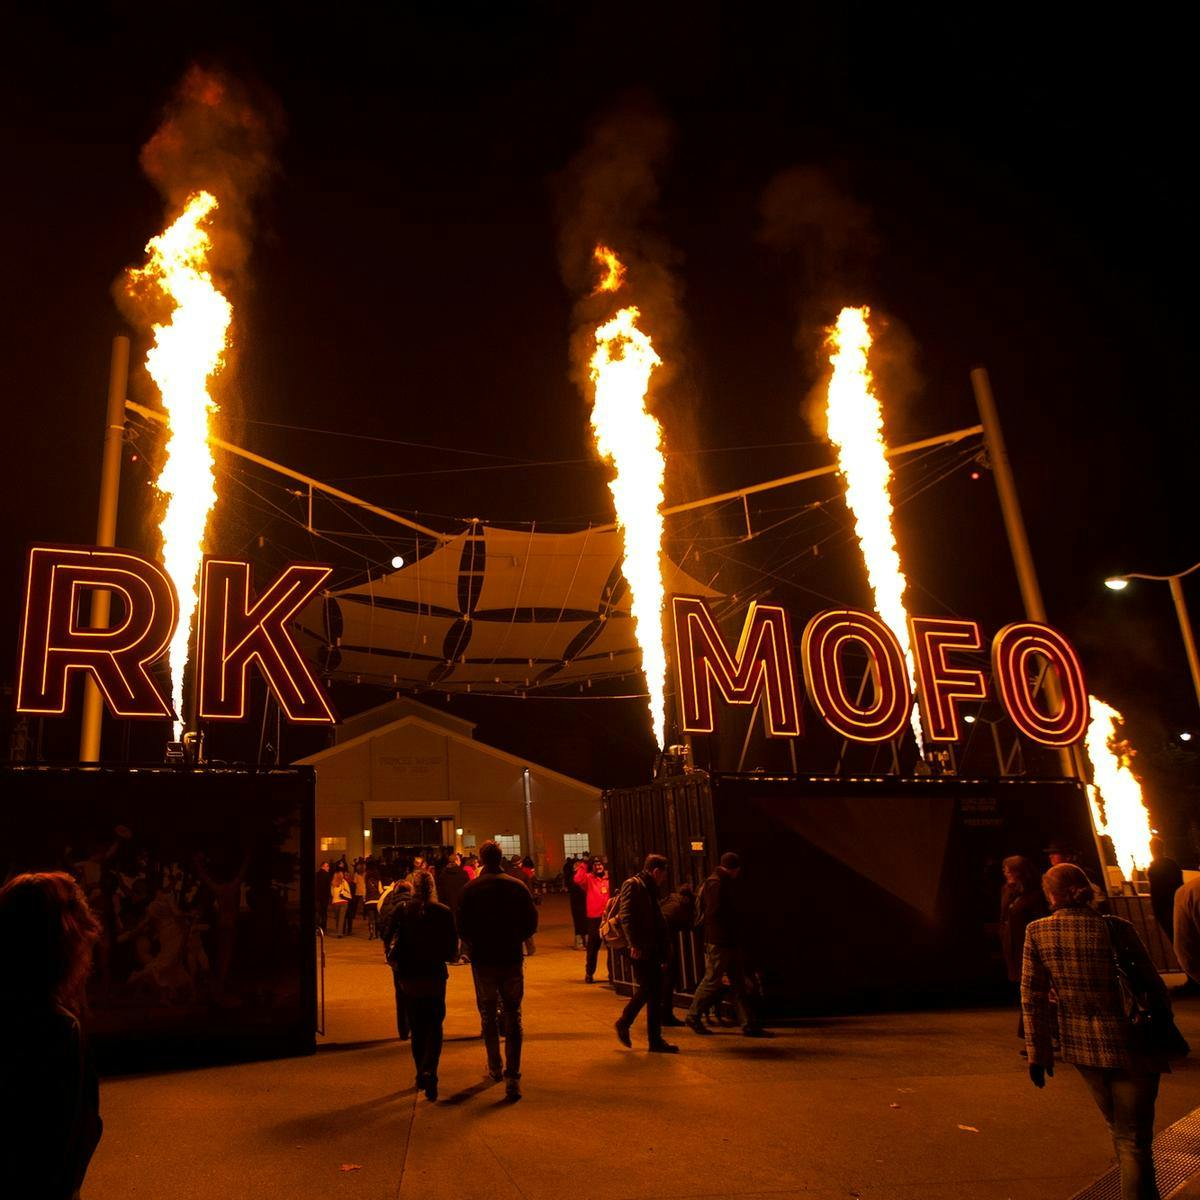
column 1071, row 953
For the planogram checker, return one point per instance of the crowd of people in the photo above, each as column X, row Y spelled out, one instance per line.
column 1090, row 995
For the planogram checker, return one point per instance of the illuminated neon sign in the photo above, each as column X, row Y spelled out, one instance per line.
column 235, row 631
column 763, row 660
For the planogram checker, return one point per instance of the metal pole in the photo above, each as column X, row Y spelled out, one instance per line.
column 106, row 532
column 1185, row 628
column 528, row 813
column 1018, row 540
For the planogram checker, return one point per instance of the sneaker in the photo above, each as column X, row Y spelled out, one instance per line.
column 697, row 1026
column 662, row 1048
column 756, row 1031
column 512, row 1089
column 623, row 1034
column 588, row 979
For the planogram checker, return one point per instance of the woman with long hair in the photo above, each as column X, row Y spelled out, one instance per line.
column 1074, row 951
column 46, row 1074
column 425, row 941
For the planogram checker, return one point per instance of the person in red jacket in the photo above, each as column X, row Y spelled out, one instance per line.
column 594, row 884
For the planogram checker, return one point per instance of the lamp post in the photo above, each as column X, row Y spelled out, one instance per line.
column 1118, row 583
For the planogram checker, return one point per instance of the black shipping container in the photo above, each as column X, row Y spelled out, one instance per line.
column 860, row 894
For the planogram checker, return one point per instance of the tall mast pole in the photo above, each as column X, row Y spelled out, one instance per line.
column 106, row 533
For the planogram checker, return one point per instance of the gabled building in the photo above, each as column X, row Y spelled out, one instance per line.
column 408, row 774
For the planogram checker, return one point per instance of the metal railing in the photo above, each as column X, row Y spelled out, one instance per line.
column 321, row 978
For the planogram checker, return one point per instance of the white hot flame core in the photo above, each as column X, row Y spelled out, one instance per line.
column 187, row 352
column 1115, row 793
column 856, row 428
column 630, row 439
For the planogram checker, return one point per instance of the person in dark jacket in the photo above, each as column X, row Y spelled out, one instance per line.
column 679, row 912
column 646, row 935
column 1166, row 878
column 495, row 918
column 51, row 1124
column 394, row 895
column 451, row 882
column 724, row 952
column 324, row 886
column 1021, row 901
column 424, row 941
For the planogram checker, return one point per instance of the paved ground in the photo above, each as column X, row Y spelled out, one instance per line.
column 919, row 1106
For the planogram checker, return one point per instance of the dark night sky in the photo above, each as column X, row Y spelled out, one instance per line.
column 1026, row 186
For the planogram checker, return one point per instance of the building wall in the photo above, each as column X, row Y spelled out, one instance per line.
column 414, row 770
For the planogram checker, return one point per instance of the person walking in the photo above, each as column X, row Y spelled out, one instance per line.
column 424, row 940
column 1021, row 901
column 52, row 1125
column 1072, row 952
column 719, row 911
column 595, row 886
column 393, row 896
column 1166, row 878
column 496, row 916
column 451, row 883
column 646, row 935
column 323, row 882
column 339, row 901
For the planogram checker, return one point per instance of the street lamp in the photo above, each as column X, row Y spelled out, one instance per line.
column 1118, row 583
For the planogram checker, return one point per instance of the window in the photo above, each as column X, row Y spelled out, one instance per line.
column 332, row 843
column 509, row 844
column 575, row 845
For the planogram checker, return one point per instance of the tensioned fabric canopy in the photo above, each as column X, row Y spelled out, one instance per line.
column 492, row 610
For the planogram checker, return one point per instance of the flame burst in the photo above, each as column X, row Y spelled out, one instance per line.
column 613, row 268
column 856, row 429
column 187, row 352
column 1115, row 794
column 631, row 439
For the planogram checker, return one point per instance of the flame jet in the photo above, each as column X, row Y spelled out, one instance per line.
column 630, row 438
column 856, row 429
column 188, row 351
column 1115, row 795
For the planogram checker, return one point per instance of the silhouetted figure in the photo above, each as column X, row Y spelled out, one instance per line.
column 1166, row 878
column 1072, row 953
column 679, row 912
column 495, row 918
column 324, row 886
column 395, row 895
column 424, row 940
column 1021, row 901
column 51, row 1120
column 646, row 935
column 717, row 908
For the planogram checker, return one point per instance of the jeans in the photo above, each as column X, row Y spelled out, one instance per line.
column 719, row 961
column 1127, row 1101
column 425, row 1000
column 501, row 989
column 647, row 973
column 339, row 918
column 593, row 945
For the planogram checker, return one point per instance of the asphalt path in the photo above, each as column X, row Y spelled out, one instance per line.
column 912, row 1106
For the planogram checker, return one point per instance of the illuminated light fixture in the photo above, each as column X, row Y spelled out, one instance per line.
column 1185, row 736
column 458, row 832
column 1117, row 583
column 970, row 720
column 398, row 561
column 366, row 833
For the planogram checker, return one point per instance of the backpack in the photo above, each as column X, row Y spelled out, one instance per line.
column 390, row 909
column 611, row 932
